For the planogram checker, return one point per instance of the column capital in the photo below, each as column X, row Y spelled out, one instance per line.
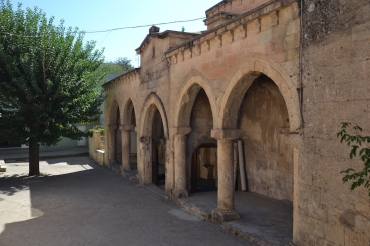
column 112, row 127
column 126, row 127
column 181, row 130
column 225, row 134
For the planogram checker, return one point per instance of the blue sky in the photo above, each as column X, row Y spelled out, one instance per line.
column 101, row 15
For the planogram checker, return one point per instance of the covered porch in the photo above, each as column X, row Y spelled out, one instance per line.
column 263, row 220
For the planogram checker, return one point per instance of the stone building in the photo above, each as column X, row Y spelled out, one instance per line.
column 280, row 75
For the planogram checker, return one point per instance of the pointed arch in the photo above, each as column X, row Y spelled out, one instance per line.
column 113, row 112
column 145, row 164
column 242, row 80
column 127, row 112
column 114, row 120
column 151, row 103
column 188, row 94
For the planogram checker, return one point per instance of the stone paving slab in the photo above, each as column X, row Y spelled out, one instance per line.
column 78, row 202
column 264, row 221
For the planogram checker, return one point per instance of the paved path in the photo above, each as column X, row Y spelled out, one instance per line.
column 78, row 202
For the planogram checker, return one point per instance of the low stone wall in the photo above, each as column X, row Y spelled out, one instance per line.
column 2, row 166
column 96, row 148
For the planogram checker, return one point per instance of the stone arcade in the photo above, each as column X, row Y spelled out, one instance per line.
column 195, row 95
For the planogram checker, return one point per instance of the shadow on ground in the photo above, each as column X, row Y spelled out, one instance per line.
column 78, row 202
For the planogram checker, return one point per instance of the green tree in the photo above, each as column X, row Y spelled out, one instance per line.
column 48, row 80
column 359, row 147
column 125, row 63
column 120, row 66
column 111, row 68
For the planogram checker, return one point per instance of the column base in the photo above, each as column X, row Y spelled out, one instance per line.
column 176, row 193
column 109, row 164
column 220, row 216
column 125, row 169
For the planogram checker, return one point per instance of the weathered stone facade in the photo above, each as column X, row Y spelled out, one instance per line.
column 335, row 78
column 196, row 94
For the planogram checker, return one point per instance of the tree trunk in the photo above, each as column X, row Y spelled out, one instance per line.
column 34, row 159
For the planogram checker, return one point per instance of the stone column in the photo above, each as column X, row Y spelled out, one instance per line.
column 125, row 133
column 225, row 210
column 180, row 161
column 144, row 164
column 112, row 144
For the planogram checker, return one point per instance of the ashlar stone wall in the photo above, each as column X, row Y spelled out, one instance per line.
column 336, row 72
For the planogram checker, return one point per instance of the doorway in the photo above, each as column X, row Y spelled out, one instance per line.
column 158, row 151
column 204, row 168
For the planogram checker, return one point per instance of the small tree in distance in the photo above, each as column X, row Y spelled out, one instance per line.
column 49, row 80
column 121, row 65
column 359, row 146
column 125, row 63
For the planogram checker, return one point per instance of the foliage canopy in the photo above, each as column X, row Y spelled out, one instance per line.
column 359, row 147
column 48, row 78
column 121, row 65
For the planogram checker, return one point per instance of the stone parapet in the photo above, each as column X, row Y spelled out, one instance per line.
column 229, row 9
column 133, row 75
column 225, row 32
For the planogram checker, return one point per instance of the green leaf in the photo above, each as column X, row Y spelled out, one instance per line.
column 348, row 170
column 353, row 151
column 357, row 128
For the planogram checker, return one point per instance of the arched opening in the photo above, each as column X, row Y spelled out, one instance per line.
column 133, row 141
column 158, row 150
column 264, row 121
column 204, row 168
column 113, row 134
column 118, row 139
column 189, row 93
column 189, row 135
column 201, row 148
column 152, row 147
column 258, row 101
column 128, row 129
